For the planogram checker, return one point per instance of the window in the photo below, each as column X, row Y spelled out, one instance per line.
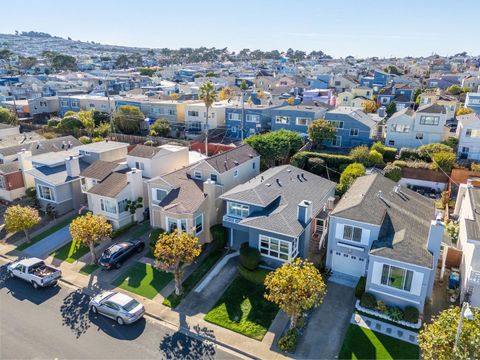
column 391, row 142
column 253, row 165
column 108, row 206
column 195, row 125
column 2, row 182
column 472, row 133
column 213, row 177
column 235, row 173
column 172, row 112
column 353, row 132
column 139, row 165
column 282, row 120
column 419, row 136
column 276, row 248
column 252, row 118
column 337, row 142
column 192, row 113
column 197, row 174
column 429, row 120
column 352, row 233
column 122, row 206
column 75, row 104
column 397, row 277
column 302, row 121
column 234, row 117
column 401, row 128
column 198, row 224
column 91, row 105
column 336, row 124
column 159, row 194
column 64, row 103
column 237, row 210
column 174, row 224
column 46, row 193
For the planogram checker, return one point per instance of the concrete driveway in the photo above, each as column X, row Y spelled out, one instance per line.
column 46, row 246
column 324, row 334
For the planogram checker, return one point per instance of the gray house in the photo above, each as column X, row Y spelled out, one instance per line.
column 278, row 212
column 388, row 234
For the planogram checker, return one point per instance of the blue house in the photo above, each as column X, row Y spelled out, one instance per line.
column 256, row 119
column 321, row 81
column 186, row 75
column 281, row 212
column 354, row 127
column 68, row 103
column 443, row 82
column 297, row 117
column 379, row 80
column 401, row 95
column 472, row 101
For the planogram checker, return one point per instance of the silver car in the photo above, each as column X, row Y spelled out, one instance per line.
column 120, row 307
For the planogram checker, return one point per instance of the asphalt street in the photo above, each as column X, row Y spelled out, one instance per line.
column 55, row 323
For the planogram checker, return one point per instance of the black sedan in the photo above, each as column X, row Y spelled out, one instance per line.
column 116, row 254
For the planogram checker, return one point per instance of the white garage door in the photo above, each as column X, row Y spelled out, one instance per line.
column 348, row 264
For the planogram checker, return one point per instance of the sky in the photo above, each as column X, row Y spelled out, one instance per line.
column 339, row 28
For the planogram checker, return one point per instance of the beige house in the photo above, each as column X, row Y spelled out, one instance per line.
column 450, row 103
column 188, row 199
column 196, row 114
column 355, row 97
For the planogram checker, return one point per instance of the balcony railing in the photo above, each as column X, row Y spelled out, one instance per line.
column 231, row 219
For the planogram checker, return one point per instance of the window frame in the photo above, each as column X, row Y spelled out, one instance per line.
column 282, row 120
column 51, row 190
column 197, row 174
column 352, row 234
column 241, row 212
column 177, row 222
column 432, row 120
column 278, row 249
column 307, row 122
column 407, row 278
column 197, row 232
column 113, row 205
column 354, row 132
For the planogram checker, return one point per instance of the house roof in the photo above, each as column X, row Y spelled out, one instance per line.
column 143, row 151
column 404, row 218
column 111, row 186
column 473, row 226
column 354, row 113
column 405, row 111
column 279, row 190
column 9, row 167
column 100, row 169
column 469, row 119
column 432, row 109
column 229, row 159
column 54, row 175
column 42, row 146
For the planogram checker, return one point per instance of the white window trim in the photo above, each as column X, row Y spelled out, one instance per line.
column 154, row 194
column 103, row 201
column 195, row 224
column 353, row 229
column 269, row 238
column 197, row 174
column 286, row 119
column 404, row 277
column 179, row 223
column 52, row 191
column 304, row 118
column 229, row 203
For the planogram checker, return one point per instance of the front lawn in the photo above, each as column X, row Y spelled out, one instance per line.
column 46, row 233
column 243, row 309
column 88, row 269
column 70, row 252
column 143, row 279
column 362, row 343
column 189, row 283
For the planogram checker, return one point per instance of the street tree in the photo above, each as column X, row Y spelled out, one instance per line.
column 295, row 287
column 391, row 108
column 437, row 339
column 208, row 94
column 321, row 130
column 464, row 111
column 21, row 218
column 8, row 117
column 89, row 230
column 161, row 127
column 174, row 252
column 128, row 119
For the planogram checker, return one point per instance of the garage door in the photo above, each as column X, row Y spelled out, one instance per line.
column 348, row 264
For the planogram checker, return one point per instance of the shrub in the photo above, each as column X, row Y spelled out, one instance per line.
column 122, row 230
column 389, row 154
column 378, row 146
column 153, row 237
column 97, row 139
column 400, row 163
column 361, row 154
column 256, row 276
column 85, row 139
column 375, row 158
column 395, row 313
column 249, row 257
column 349, row 175
column 411, row 314
column 475, row 167
column 288, row 342
column 360, row 288
column 53, row 122
column 70, row 123
column 426, row 151
column 408, row 154
column 393, row 172
column 149, row 143
column 332, row 161
column 219, row 235
column 368, row 301
column 444, row 161
column 381, row 307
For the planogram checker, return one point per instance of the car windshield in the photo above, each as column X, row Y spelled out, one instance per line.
column 131, row 305
column 113, row 249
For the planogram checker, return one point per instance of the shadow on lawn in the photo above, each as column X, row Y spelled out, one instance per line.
column 357, row 346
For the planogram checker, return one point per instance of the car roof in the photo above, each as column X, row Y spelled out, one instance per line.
column 120, row 299
column 116, row 247
column 30, row 261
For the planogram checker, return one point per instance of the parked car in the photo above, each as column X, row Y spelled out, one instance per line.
column 34, row 271
column 117, row 306
column 116, row 254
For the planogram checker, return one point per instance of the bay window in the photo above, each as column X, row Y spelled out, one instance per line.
column 277, row 249
column 174, row 224
column 237, row 210
column 46, row 193
column 108, row 206
column 122, row 206
column 396, row 277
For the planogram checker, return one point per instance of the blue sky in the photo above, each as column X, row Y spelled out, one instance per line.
column 340, row 28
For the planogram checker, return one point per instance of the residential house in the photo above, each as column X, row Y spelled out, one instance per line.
column 257, row 119
column 188, row 199
column 472, row 82
column 450, row 103
column 354, row 98
column 472, row 101
column 297, row 117
column 43, row 106
column 388, row 234
column 443, row 82
column 12, row 185
column 379, row 80
column 278, row 212
column 343, row 83
column 196, row 116
column 83, row 102
column 324, row 96
column 401, row 95
column 468, row 133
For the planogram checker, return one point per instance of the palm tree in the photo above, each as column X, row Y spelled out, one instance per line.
column 243, row 88
column 209, row 95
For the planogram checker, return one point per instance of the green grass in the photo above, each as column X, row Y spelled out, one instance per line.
column 88, row 269
column 44, row 234
column 143, row 279
column 362, row 343
column 70, row 252
column 243, row 309
column 189, row 283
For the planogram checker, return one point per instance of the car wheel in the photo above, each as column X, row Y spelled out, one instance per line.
column 93, row 309
column 9, row 273
column 120, row 321
column 35, row 285
column 118, row 265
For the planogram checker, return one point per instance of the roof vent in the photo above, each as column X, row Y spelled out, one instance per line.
column 379, row 194
column 303, row 176
column 268, row 184
column 251, row 156
column 278, row 182
column 235, row 162
column 396, row 189
column 261, row 178
column 289, row 170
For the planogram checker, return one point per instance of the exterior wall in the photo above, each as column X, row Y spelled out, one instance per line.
column 14, row 186
column 43, row 105
column 348, row 141
column 164, row 163
column 234, row 126
column 437, row 186
column 90, row 155
column 64, row 198
column 472, row 143
column 117, row 220
column 293, row 115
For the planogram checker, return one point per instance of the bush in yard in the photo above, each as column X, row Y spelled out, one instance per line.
column 361, row 154
column 408, row 154
column 219, row 235
column 256, row 276
column 425, row 152
column 348, row 176
column 378, row 146
column 395, row 313
column 444, row 161
column 381, row 306
column 153, row 237
column 53, row 122
column 393, row 172
column 249, row 257
column 333, row 161
column 389, row 154
column 411, row 314
column 368, row 301
column 85, row 139
column 360, row 288
column 288, row 342
column 375, row 158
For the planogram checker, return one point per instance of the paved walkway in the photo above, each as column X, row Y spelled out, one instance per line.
column 325, row 330
column 385, row 328
column 46, row 246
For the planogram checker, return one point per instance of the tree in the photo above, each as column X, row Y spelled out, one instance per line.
column 351, row 172
column 437, row 339
column 454, row 90
column 174, row 252
column 226, row 93
column 21, row 218
column 174, row 96
column 209, row 95
column 392, row 69
column 464, row 111
column 128, row 119
column 133, row 205
column 291, row 101
column 275, row 146
column 391, row 108
column 70, row 123
column 369, row 106
column 295, row 287
column 161, row 127
column 122, row 61
column 321, row 130
column 147, row 71
column 64, row 62
column 86, row 117
column 102, row 129
column 426, row 151
column 90, row 229
column 8, row 117
column 5, row 54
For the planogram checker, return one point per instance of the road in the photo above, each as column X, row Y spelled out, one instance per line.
column 55, row 323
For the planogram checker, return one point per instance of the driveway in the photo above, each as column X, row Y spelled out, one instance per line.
column 324, row 334
column 46, row 246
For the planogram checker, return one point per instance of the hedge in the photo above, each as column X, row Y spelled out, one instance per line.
column 332, row 161
column 249, row 257
column 411, row 314
column 393, row 172
column 408, row 154
column 389, row 154
column 256, row 276
column 368, row 301
column 288, row 342
column 219, row 235
column 360, row 288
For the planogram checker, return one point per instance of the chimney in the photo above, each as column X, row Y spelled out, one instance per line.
column 25, row 163
column 73, row 166
column 211, row 215
column 435, row 236
column 134, row 178
column 304, row 211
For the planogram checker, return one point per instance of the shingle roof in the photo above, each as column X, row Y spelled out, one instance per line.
column 100, row 169
column 144, row 151
column 432, row 109
column 404, row 218
column 279, row 190
column 42, row 146
column 111, row 186
column 229, row 159
column 473, row 226
column 9, row 167
column 55, row 175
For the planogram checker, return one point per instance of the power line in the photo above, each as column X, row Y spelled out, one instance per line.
column 433, row 160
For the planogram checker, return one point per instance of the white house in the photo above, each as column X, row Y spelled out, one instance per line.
column 468, row 133
column 196, row 114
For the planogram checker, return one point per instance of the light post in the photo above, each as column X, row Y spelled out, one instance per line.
column 466, row 313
